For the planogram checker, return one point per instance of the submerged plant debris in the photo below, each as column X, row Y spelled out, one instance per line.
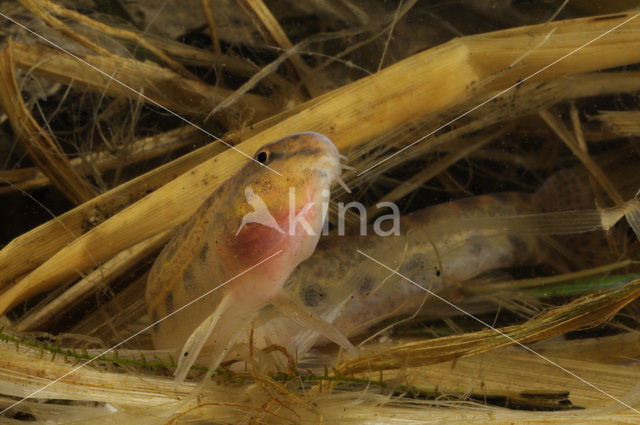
column 506, row 133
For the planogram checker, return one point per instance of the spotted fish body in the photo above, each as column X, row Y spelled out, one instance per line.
column 216, row 247
column 429, row 251
column 433, row 250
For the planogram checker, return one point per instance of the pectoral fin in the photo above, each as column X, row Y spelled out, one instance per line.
column 223, row 322
column 307, row 319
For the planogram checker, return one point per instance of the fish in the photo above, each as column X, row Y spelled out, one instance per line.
column 234, row 255
column 440, row 248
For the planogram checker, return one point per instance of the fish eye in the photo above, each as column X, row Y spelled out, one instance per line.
column 262, row 157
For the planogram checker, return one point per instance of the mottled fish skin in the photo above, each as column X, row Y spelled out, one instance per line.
column 206, row 251
column 355, row 294
column 435, row 255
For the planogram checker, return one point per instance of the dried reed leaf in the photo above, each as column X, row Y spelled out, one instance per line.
column 133, row 396
column 587, row 311
column 38, row 7
column 41, row 148
column 140, row 150
column 273, row 33
column 527, row 98
column 54, row 22
column 180, row 95
column 21, row 378
column 591, row 349
column 215, row 41
column 39, row 244
column 406, row 187
column 517, row 371
column 99, row 278
column 623, row 123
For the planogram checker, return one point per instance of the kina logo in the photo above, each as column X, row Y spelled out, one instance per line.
column 260, row 213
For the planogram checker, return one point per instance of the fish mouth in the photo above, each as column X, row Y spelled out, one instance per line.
column 335, row 167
